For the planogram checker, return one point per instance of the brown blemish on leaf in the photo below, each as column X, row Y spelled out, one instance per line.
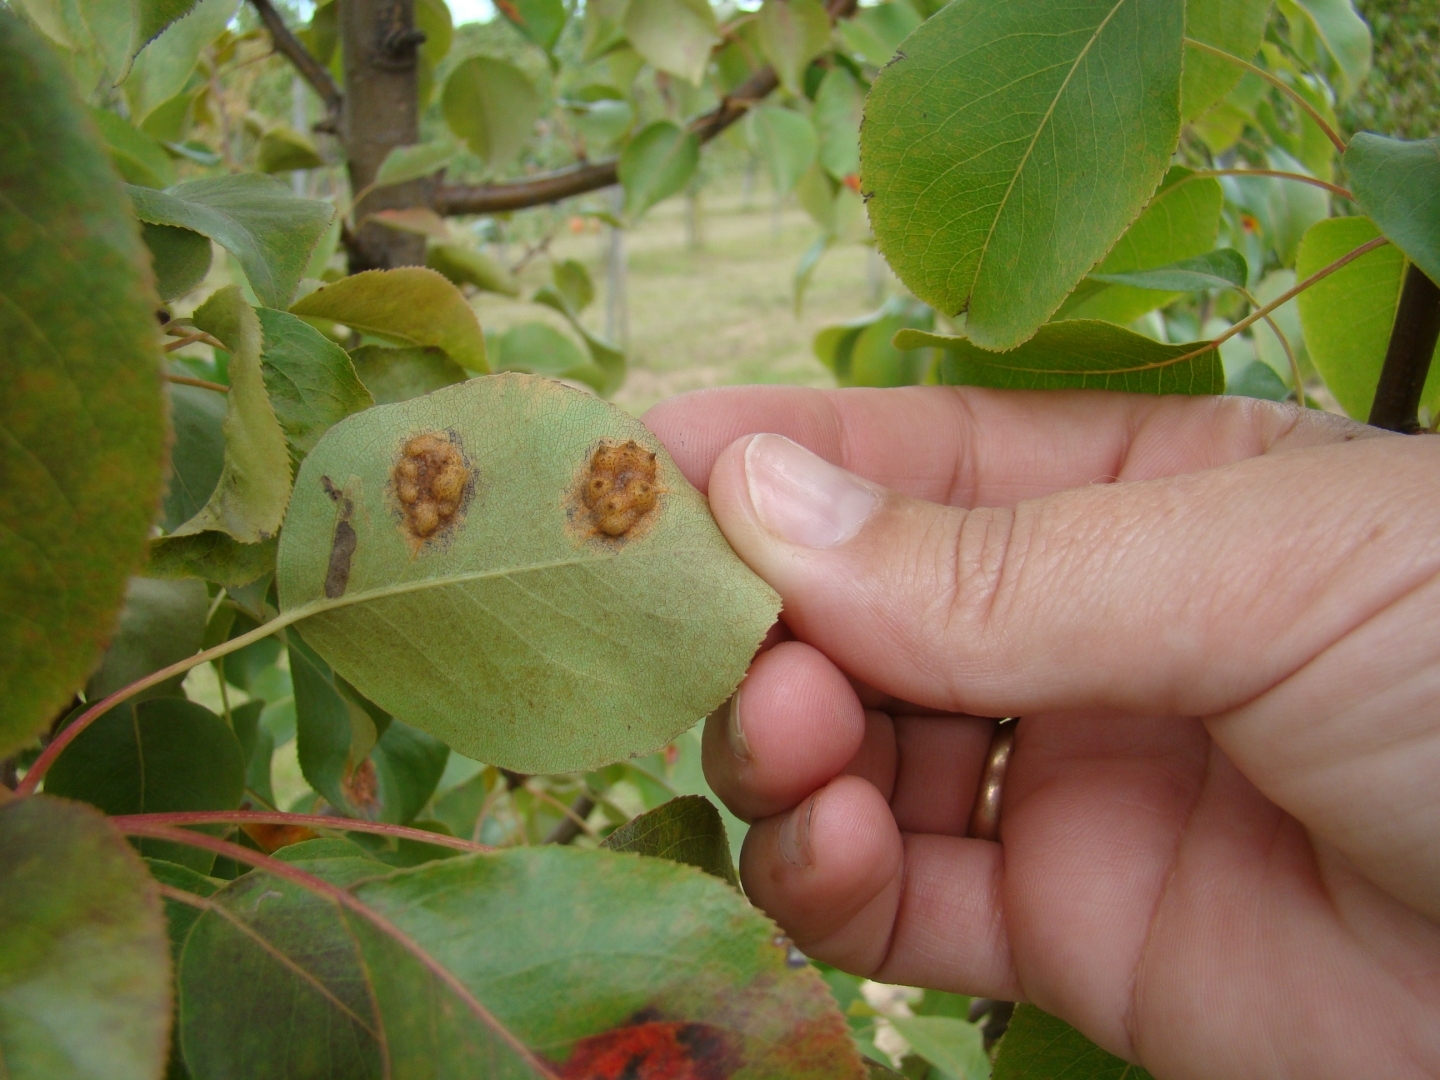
column 654, row 1050
column 271, row 838
column 431, row 481
column 362, row 786
column 342, row 544
column 619, row 488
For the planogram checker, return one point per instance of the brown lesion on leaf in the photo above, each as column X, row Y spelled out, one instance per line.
column 362, row 786
column 619, row 491
column 648, row 1048
column 342, row 543
column 432, row 482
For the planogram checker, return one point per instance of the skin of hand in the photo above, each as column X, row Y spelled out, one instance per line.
column 1219, row 620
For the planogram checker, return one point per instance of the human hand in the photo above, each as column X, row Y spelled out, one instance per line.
column 1218, row 849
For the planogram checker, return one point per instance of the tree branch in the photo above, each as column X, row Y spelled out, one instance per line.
column 573, row 823
column 1407, row 359
column 309, row 68
column 453, row 199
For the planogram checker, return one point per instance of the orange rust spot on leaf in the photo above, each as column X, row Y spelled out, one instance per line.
column 620, row 487
column 656, row 1050
column 271, row 838
column 362, row 786
column 431, row 481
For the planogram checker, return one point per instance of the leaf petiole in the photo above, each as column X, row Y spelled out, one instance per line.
column 1279, row 84
column 1280, row 174
column 312, row 821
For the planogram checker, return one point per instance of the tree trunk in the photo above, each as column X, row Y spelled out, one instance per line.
column 382, row 111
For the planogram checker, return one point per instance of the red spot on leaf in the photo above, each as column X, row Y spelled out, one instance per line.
column 852, row 181
column 657, row 1050
column 271, row 838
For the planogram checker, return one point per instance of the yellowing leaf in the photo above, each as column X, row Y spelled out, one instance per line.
column 674, row 35
column 410, row 305
column 492, row 106
column 792, row 33
column 446, row 562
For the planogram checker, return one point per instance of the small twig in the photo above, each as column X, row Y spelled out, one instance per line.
column 1279, row 174
column 186, row 380
column 346, row 899
column 541, row 248
column 1407, row 357
column 571, row 816
column 1279, row 84
column 573, row 823
column 189, row 334
column 309, row 68
column 309, row 821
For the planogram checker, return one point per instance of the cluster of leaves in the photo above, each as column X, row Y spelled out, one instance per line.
column 1051, row 265
column 388, row 562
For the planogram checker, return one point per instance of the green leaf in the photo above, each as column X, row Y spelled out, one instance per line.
column 1234, row 26
column 1285, row 209
column 787, row 144
column 805, row 268
column 675, row 36
column 1345, row 36
column 539, row 20
column 163, row 66
column 161, row 623
column 405, row 163
column 80, row 397
column 139, row 157
column 393, row 375
column 602, row 123
column 558, row 945
column 463, row 265
column 181, row 259
column 1348, row 316
column 540, row 349
column 684, row 830
column 657, row 163
column 249, row 499
column 256, row 218
column 521, row 603
column 1181, row 221
column 257, row 746
column 84, row 961
column 1079, row 354
column 334, row 735
column 155, row 756
column 283, row 149
column 432, row 18
column 1398, row 185
column 990, row 150
column 213, row 556
column 1223, row 268
column 197, row 454
column 839, row 105
column 311, row 383
column 1039, row 1046
column 792, row 33
column 492, row 106
column 153, row 16
column 410, row 305
column 573, row 283
column 1258, row 380
column 609, row 360
column 604, row 28
column 875, row 359
column 876, row 32
column 955, row 1047
column 875, row 1071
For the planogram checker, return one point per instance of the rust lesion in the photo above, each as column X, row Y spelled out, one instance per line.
column 431, row 482
column 620, row 488
column 343, row 541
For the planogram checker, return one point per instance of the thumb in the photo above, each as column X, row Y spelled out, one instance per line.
column 1187, row 595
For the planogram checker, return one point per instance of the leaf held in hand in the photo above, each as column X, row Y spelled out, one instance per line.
column 488, row 603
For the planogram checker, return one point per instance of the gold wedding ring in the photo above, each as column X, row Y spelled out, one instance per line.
column 985, row 816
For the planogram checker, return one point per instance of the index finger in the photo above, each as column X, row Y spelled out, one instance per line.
column 969, row 446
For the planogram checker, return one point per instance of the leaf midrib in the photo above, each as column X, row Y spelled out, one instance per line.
column 1025, row 158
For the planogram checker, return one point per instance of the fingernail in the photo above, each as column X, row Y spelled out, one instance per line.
column 801, row 498
column 795, row 834
column 734, row 730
